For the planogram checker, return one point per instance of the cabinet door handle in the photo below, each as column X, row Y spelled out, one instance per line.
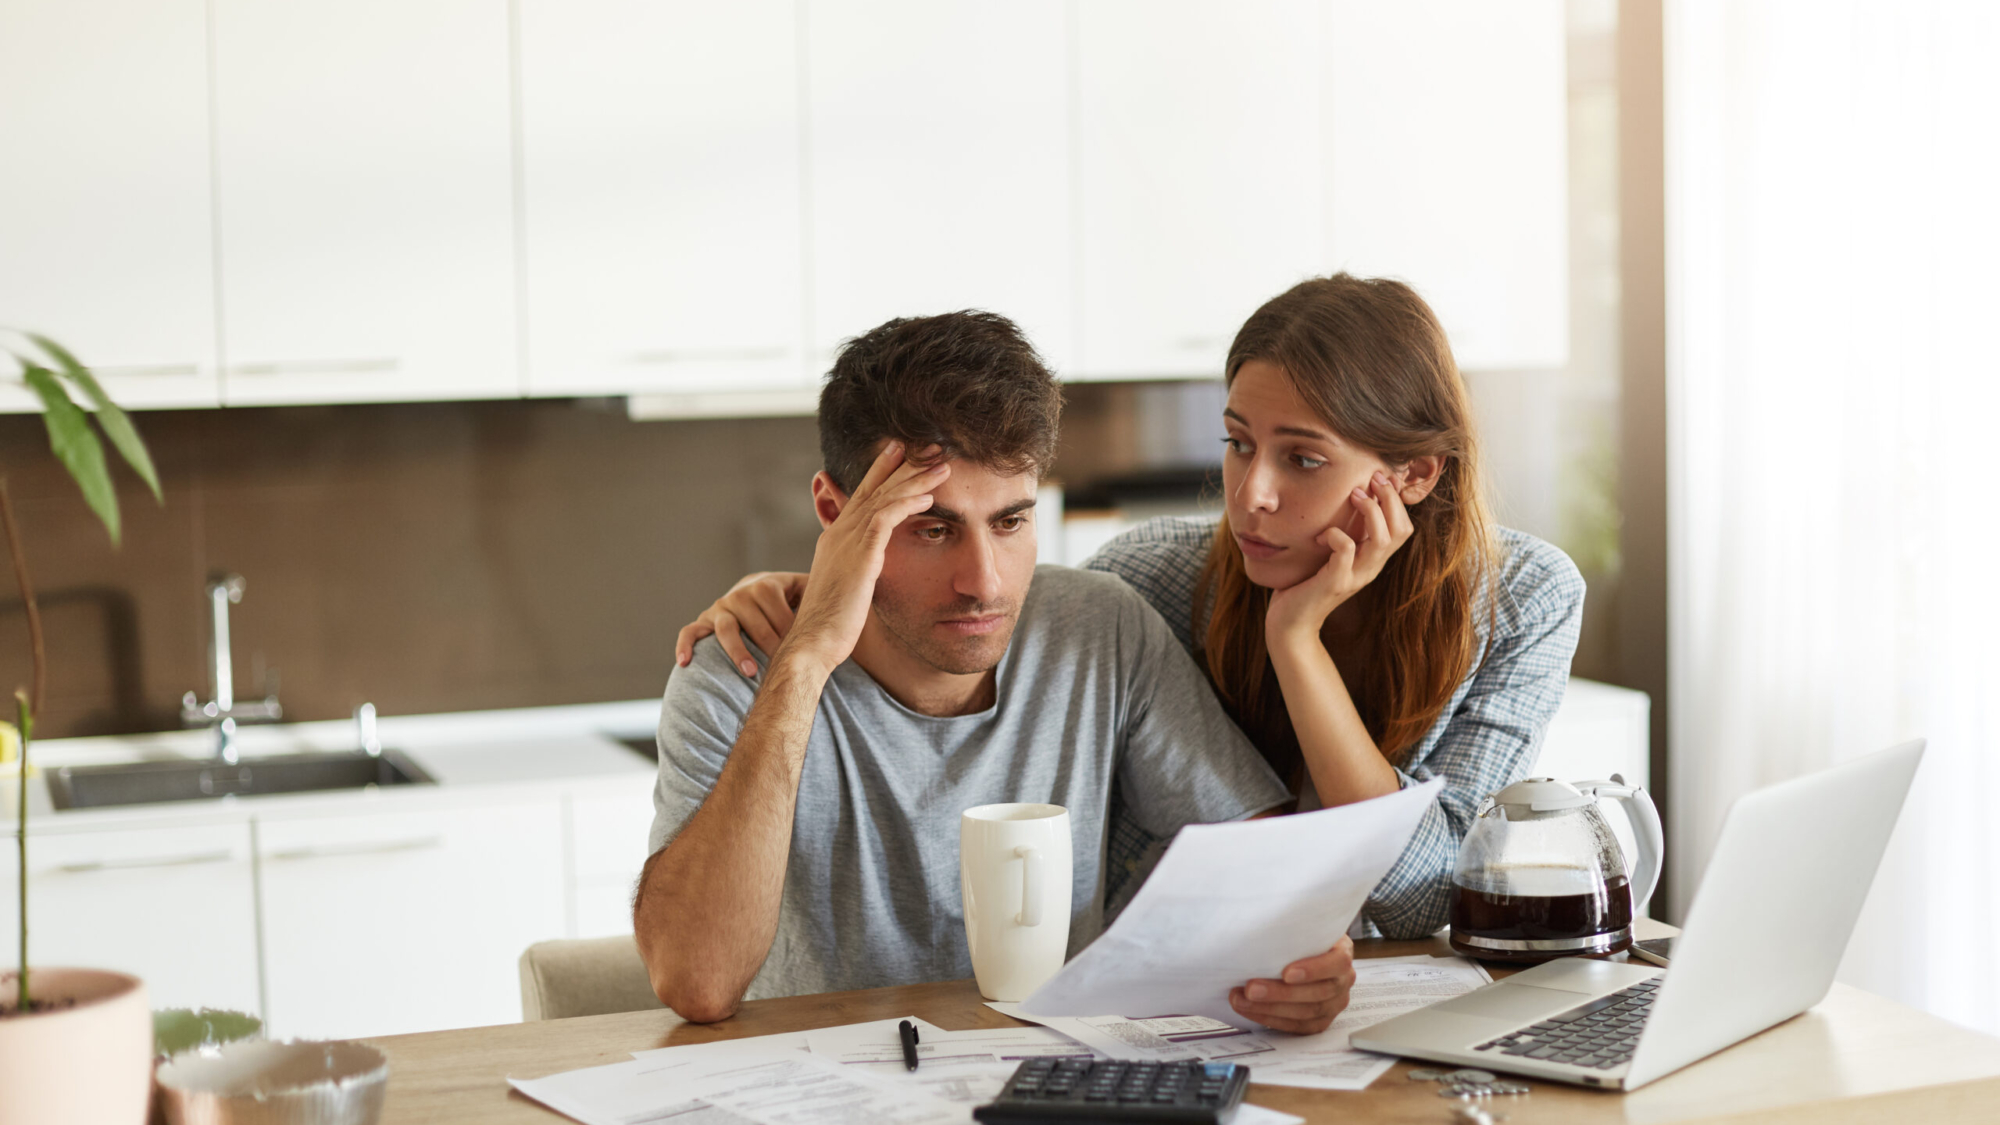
column 189, row 860
column 316, row 366
column 383, row 847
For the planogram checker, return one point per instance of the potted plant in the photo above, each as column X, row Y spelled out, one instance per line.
column 75, row 1044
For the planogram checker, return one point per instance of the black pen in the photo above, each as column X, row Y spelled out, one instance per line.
column 908, row 1032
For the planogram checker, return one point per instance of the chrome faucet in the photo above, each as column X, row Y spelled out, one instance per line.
column 223, row 712
column 364, row 730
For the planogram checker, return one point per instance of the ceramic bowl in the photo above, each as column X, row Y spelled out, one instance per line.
column 259, row 1082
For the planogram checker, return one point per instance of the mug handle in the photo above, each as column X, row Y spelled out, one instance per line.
column 1031, row 886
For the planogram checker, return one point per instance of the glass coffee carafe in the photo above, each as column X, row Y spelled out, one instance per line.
column 1541, row 874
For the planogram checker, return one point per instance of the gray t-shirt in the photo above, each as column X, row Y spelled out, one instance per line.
column 1092, row 688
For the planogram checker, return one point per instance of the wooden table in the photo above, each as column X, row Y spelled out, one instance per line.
column 1854, row 1058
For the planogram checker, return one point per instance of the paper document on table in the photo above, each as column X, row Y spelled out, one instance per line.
column 809, row 1090
column 741, row 1088
column 1149, row 1038
column 1229, row 902
column 879, row 1042
column 965, row 1082
column 619, row 1094
column 958, row 1066
column 1014, row 1044
column 1383, row 987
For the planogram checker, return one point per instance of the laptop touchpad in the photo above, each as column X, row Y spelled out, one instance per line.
column 1514, row 1002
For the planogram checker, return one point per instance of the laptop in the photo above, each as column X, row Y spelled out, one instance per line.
column 1762, row 939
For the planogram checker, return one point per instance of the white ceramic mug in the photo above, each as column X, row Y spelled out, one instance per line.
column 1014, row 877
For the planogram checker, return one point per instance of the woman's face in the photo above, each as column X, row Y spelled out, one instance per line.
column 1287, row 477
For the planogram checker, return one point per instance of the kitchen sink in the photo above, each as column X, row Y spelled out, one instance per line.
column 647, row 747
column 146, row 783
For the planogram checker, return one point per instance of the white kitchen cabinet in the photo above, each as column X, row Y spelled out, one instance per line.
column 364, row 156
column 304, row 201
column 1447, row 127
column 939, row 166
column 383, row 922
column 175, row 906
column 1600, row 730
column 608, row 833
column 660, row 156
column 1200, row 133
column 105, row 242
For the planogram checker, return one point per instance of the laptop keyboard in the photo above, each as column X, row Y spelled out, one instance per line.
column 1600, row 1034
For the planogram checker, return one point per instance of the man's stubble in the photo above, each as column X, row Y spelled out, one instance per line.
column 912, row 631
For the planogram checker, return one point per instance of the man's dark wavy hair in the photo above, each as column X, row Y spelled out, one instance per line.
column 967, row 382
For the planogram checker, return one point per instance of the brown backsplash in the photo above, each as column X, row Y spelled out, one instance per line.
column 427, row 557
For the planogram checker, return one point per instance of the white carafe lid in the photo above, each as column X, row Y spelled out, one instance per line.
column 1540, row 794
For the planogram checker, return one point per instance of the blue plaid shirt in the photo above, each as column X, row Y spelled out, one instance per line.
column 1486, row 739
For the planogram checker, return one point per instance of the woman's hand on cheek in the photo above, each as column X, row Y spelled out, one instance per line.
column 1297, row 612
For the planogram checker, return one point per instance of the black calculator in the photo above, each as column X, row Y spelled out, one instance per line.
column 1059, row 1091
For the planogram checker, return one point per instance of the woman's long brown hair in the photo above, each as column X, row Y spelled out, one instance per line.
column 1371, row 360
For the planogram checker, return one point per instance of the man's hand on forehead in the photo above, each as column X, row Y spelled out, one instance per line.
column 922, row 457
column 848, row 558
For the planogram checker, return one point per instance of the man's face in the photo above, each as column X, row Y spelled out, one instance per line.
column 953, row 578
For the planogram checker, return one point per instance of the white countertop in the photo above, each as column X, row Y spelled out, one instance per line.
column 529, row 747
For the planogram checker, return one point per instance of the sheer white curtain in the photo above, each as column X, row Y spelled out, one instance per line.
column 1833, row 248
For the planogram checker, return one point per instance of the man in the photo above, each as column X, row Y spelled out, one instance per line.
column 806, row 828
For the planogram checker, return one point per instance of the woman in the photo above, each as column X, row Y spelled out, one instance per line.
column 1355, row 610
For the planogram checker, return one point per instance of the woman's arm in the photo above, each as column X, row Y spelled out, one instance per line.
column 1162, row 559
column 1340, row 755
column 759, row 604
column 1488, row 737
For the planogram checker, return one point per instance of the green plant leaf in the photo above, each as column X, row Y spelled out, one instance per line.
column 116, row 424
column 75, row 444
column 179, row 1029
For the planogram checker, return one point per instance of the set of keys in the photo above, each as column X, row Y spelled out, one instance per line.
column 1468, row 1084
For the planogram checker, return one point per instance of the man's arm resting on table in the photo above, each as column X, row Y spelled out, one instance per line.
column 707, row 906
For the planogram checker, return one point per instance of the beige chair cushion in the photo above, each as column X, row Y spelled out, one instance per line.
column 589, row 977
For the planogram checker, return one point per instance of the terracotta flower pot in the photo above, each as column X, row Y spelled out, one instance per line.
column 87, row 1062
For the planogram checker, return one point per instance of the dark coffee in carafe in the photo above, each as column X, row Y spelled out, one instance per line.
column 1535, row 914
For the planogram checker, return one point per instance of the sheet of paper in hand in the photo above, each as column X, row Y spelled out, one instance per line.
column 1229, row 902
